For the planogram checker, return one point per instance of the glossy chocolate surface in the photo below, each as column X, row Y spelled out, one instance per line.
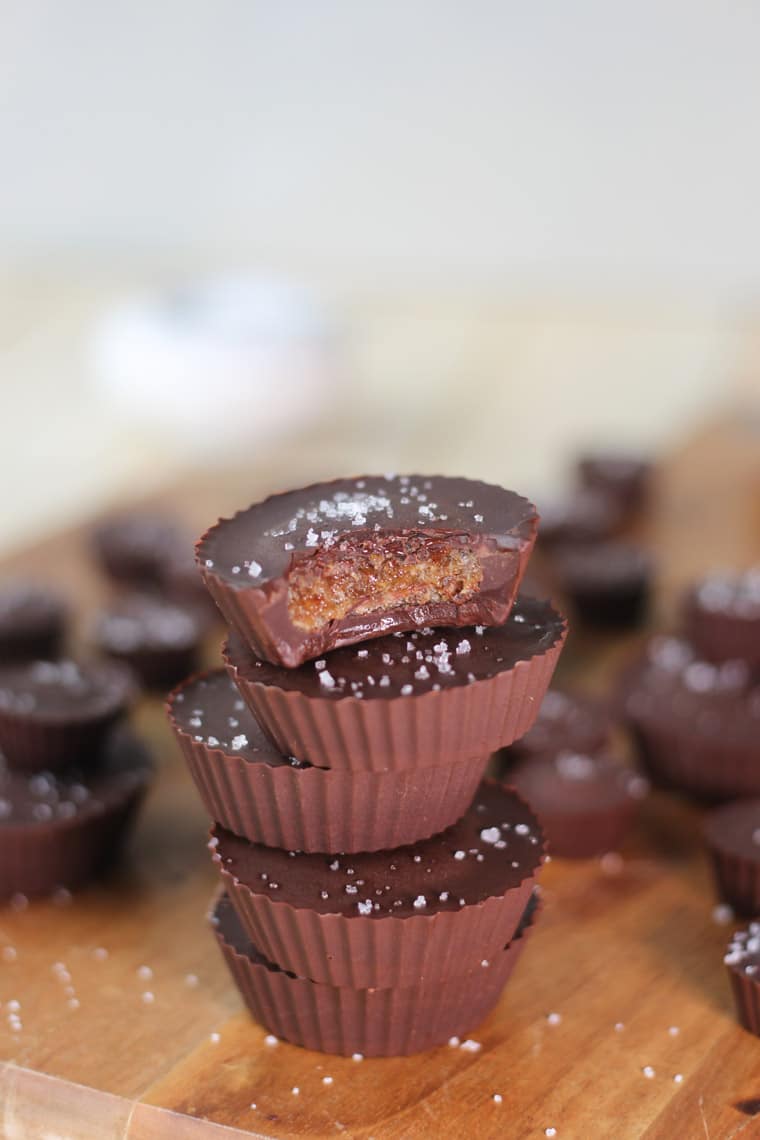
column 494, row 847
column 410, row 664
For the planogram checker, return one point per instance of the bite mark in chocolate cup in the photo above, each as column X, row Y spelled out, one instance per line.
column 253, row 790
column 732, row 832
column 58, row 713
column 61, row 829
column 429, row 910
column 338, row 563
column 427, row 698
column 372, row 1022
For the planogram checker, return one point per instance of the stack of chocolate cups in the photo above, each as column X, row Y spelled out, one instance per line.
column 376, row 890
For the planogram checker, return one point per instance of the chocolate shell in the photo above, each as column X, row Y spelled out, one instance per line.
column 368, row 1022
column 60, row 829
column 32, row 622
column 390, row 918
column 58, row 713
column 338, row 563
column 742, row 962
column 733, row 836
column 722, row 617
column 608, row 583
column 158, row 640
column 429, row 698
column 254, row 791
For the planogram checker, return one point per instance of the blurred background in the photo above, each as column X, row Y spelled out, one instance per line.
column 325, row 238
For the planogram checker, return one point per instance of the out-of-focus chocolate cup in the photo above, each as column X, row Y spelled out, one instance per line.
column 430, row 698
column 586, row 803
column 722, row 617
column 624, row 478
column 136, row 547
column 390, row 918
column 158, row 640
column 608, row 583
column 338, row 563
column 696, row 725
column 371, row 1022
column 32, row 622
column 583, row 516
column 59, row 713
column 742, row 961
column 732, row 832
column 565, row 721
column 254, row 791
column 62, row 829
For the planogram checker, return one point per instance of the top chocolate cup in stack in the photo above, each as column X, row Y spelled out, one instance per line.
column 337, row 563
column 425, row 698
column 722, row 616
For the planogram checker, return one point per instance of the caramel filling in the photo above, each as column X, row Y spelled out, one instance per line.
column 362, row 575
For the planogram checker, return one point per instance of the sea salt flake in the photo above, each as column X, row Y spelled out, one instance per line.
column 553, row 1018
column 470, row 1046
column 648, row 1072
column 490, row 834
column 420, row 902
column 460, row 855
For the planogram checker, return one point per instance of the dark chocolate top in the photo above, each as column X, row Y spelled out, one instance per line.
column 258, row 543
column 672, row 686
column 72, row 795
column 64, row 692
column 602, row 565
column 734, row 829
column 566, row 720
column 574, row 782
column 410, row 664
column 494, row 847
column 743, row 953
column 27, row 609
column 141, row 622
column 208, row 708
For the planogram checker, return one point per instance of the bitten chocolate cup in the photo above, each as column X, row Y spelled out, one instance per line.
column 158, row 640
column 61, row 829
column 733, row 836
column 370, row 1022
column 395, row 917
column 254, row 791
column 338, row 563
column 722, row 617
column 32, row 622
column 696, row 725
column 57, row 713
column 742, row 962
column 586, row 804
column 425, row 699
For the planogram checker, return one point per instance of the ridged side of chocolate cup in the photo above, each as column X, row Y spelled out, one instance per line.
column 676, row 758
column 373, row 1022
column 433, row 728
column 737, row 881
column 36, row 858
column 383, row 952
column 746, row 991
column 319, row 810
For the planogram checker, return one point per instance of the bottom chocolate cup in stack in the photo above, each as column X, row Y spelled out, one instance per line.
column 60, row 829
column 254, row 791
column 372, row 1022
column 430, row 910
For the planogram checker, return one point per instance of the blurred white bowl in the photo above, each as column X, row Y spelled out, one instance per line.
column 220, row 364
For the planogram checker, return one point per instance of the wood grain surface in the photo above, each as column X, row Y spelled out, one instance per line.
column 628, row 953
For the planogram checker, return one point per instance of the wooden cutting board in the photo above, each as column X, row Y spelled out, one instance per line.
column 628, row 953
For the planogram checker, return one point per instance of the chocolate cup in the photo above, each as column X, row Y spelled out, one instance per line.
column 431, row 728
column 158, row 640
column 678, row 759
column 720, row 634
column 582, row 816
column 746, row 992
column 281, row 534
column 372, row 1022
column 384, row 950
column 37, row 857
column 33, row 622
column 735, row 856
column 565, row 721
column 742, row 961
column 34, row 741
